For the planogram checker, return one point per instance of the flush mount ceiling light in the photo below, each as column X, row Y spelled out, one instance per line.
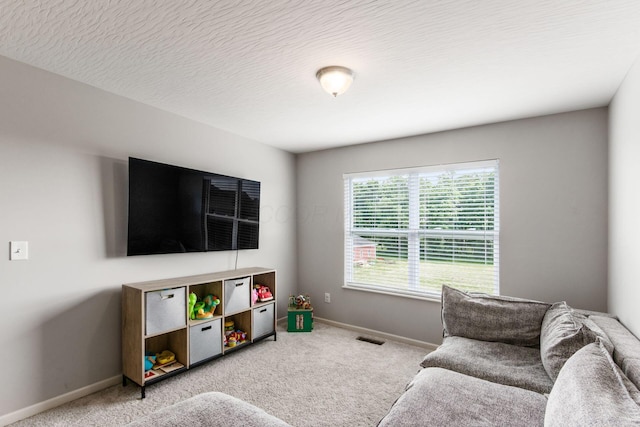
column 335, row 79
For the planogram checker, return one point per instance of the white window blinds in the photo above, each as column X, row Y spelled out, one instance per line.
column 411, row 231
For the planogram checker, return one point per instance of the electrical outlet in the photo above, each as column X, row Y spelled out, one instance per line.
column 327, row 297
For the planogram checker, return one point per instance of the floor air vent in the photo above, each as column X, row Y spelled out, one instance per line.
column 370, row 340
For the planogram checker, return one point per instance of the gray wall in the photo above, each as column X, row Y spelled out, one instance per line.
column 553, row 216
column 63, row 188
column 624, row 208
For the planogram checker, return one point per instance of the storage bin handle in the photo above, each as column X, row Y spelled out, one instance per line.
column 206, row 328
column 167, row 296
column 263, row 310
column 239, row 284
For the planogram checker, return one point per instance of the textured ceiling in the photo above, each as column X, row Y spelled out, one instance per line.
column 249, row 66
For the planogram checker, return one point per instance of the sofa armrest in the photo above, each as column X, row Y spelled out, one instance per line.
column 212, row 409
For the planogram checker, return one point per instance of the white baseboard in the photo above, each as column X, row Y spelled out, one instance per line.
column 29, row 411
column 405, row 340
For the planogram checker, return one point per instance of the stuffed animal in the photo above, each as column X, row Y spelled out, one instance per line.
column 205, row 309
column 210, row 303
column 192, row 303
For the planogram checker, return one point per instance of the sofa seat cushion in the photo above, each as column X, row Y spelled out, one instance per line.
column 211, row 409
column 492, row 361
column 592, row 390
column 492, row 317
column 438, row 397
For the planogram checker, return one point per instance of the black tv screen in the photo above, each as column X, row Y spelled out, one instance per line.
column 174, row 209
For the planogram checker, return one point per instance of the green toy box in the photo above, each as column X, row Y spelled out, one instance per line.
column 300, row 320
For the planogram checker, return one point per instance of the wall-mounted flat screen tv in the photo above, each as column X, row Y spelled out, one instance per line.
column 174, row 209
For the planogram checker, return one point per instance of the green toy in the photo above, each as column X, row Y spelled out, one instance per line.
column 192, row 303
column 210, row 303
column 202, row 309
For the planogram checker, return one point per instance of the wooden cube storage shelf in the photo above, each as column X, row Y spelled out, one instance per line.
column 145, row 304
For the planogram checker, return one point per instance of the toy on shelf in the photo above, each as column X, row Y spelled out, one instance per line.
column 231, row 341
column 264, row 293
column 157, row 360
column 233, row 337
column 193, row 298
column 149, row 361
column 203, row 309
column 241, row 336
column 210, row 303
column 165, row 357
column 229, row 326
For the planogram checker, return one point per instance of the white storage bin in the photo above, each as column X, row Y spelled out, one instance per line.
column 237, row 295
column 205, row 340
column 165, row 310
column 263, row 318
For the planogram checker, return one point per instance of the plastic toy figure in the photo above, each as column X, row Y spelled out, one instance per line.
column 264, row 293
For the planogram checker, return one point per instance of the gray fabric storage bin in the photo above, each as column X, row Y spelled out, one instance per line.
column 165, row 310
column 237, row 294
column 263, row 320
column 205, row 340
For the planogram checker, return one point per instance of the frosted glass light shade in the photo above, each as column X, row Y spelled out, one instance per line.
column 335, row 80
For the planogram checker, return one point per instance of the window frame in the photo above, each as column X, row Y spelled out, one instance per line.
column 414, row 233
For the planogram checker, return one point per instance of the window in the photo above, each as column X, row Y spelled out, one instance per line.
column 411, row 231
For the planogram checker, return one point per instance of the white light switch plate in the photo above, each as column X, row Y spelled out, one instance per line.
column 18, row 251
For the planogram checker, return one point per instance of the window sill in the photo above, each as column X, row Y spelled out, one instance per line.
column 396, row 293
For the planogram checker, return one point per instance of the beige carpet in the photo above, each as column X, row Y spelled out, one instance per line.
column 322, row 378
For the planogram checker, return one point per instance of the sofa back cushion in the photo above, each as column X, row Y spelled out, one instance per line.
column 592, row 390
column 563, row 333
column 492, row 318
column 626, row 351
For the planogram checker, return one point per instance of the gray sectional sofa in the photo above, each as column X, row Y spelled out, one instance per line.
column 509, row 362
column 503, row 362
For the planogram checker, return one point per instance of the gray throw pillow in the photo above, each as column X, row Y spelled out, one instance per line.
column 492, row 318
column 627, row 346
column 563, row 333
column 602, row 336
column 592, row 390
